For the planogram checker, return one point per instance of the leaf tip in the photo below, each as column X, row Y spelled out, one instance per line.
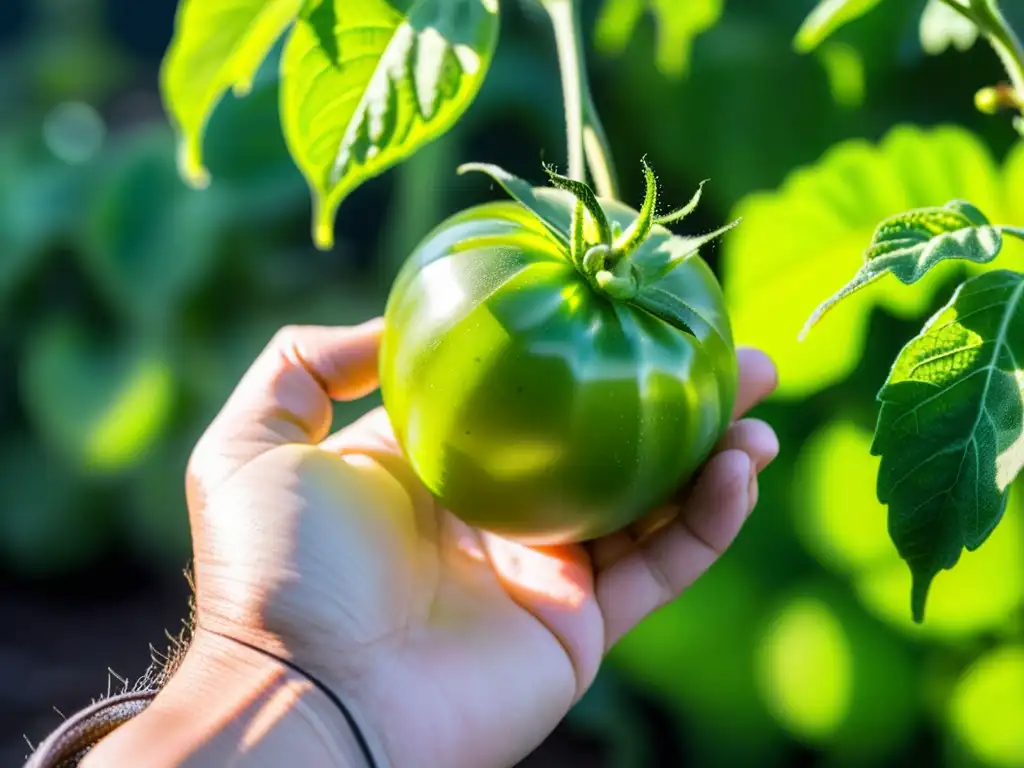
column 323, row 225
column 190, row 164
column 919, row 595
column 241, row 88
column 465, row 168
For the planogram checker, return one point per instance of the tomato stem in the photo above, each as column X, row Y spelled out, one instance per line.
column 587, row 142
column 1004, row 41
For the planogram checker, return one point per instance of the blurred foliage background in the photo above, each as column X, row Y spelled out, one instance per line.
column 130, row 305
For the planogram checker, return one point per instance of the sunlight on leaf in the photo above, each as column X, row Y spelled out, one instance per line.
column 844, row 67
column 942, row 27
column 805, row 669
column 910, row 244
column 365, row 84
column 137, row 411
column 987, row 708
column 804, row 240
column 840, row 521
column 678, row 25
column 950, row 425
column 102, row 406
column 217, row 45
column 979, row 595
column 826, row 18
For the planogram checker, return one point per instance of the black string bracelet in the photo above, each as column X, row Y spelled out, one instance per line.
column 358, row 734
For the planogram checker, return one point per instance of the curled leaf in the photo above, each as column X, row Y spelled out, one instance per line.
column 217, row 45
column 826, row 18
column 909, row 244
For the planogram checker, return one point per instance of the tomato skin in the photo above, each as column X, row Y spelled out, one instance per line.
column 530, row 404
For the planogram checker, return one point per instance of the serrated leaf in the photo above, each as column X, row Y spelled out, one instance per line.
column 942, row 27
column 364, row 84
column 812, row 231
column 826, row 18
column 843, row 525
column 678, row 25
column 909, row 244
column 950, row 427
column 217, row 45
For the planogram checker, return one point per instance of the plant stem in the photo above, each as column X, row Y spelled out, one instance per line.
column 587, row 142
column 1000, row 35
column 1004, row 40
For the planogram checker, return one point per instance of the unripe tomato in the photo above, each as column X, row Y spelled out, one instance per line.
column 529, row 401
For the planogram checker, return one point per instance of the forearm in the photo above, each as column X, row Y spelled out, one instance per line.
column 231, row 705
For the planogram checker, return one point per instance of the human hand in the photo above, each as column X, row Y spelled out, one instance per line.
column 453, row 647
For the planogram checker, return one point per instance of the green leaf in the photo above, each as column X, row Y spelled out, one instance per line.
column 551, row 206
column 366, row 83
column 842, row 524
column 149, row 240
column 103, row 406
column 950, row 427
column 942, row 27
column 217, row 45
column 844, row 67
column 802, row 241
column 826, row 18
column 679, row 23
column 909, row 244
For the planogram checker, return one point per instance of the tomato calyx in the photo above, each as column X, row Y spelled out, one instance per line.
column 601, row 250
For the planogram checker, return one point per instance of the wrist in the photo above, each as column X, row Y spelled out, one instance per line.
column 231, row 704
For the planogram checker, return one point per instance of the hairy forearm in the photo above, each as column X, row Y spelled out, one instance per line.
column 231, row 705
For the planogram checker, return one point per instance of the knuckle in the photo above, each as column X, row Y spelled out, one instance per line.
column 286, row 337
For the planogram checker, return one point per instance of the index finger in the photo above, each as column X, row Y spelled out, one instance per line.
column 757, row 379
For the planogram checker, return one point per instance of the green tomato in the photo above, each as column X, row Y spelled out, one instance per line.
column 529, row 401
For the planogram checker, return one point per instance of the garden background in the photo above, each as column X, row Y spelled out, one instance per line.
column 130, row 305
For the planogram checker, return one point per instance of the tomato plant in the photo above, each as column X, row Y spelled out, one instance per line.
column 533, row 344
column 554, row 366
column 950, row 425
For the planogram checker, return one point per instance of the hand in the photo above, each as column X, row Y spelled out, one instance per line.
column 453, row 647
